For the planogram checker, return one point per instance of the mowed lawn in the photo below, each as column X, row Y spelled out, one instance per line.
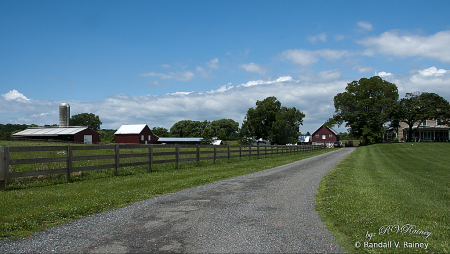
column 390, row 198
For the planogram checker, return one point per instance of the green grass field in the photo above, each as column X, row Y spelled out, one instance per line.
column 392, row 198
column 28, row 206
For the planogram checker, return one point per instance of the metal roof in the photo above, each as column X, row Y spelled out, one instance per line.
column 130, row 129
column 331, row 129
column 179, row 139
column 51, row 131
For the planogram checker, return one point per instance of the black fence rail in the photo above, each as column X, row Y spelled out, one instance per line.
column 27, row 161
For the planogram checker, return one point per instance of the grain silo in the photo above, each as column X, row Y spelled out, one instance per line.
column 64, row 114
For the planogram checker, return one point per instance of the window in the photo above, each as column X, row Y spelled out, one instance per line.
column 317, row 135
column 324, row 136
column 142, row 137
column 149, row 137
column 330, row 135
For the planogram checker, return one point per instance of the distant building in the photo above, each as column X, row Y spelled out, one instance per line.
column 76, row 134
column 135, row 134
column 180, row 141
column 324, row 135
column 427, row 131
column 304, row 140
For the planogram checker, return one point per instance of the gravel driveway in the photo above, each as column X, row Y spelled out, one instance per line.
column 268, row 211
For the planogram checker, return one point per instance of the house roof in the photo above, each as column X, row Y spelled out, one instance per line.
column 162, row 139
column 130, row 129
column 331, row 129
column 51, row 131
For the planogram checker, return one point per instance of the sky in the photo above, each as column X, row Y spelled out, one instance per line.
column 159, row 62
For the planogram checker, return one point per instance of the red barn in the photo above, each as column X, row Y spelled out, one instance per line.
column 135, row 134
column 324, row 135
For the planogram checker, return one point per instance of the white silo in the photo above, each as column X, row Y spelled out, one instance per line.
column 64, row 114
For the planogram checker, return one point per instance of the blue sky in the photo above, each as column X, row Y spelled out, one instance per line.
column 158, row 62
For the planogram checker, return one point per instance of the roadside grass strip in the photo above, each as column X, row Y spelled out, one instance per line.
column 389, row 198
column 31, row 206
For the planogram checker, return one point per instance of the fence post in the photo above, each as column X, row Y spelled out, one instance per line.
column 240, row 152
column 249, row 151
column 228, row 158
column 116, row 158
column 198, row 154
column 177, row 155
column 150, row 158
column 4, row 166
column 69, row 163
column 215, row 151
column 257, row 150
column 265, row 151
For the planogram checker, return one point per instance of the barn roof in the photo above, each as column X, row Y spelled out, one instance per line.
column 179, row 139
column 331, row 129
column 130, row 129
column 51, row 131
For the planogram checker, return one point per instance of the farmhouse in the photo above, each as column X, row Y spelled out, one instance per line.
column 427, row 131
column 76, row 134
column 135, row 134
column 324, row 135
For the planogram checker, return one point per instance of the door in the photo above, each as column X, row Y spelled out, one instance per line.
column 88, row 139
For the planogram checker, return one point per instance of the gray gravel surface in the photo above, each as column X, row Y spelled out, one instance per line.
column 264, row 212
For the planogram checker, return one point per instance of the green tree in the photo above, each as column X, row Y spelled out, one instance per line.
column 207, row 135
column 188, row 128
column 365, row 106
column 225, row 129
column 107, row 135
column 419, row 107
column 86, row 119
column 161, row 132
column 272, row 122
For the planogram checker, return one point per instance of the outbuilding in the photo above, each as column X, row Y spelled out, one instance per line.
column 76, row 134
column 180, row 141
column 324, row 135
column 135, row 134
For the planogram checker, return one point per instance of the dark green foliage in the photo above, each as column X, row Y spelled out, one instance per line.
column 270, row 121
column 224, row 129
column 86, row 119
column 107, row 136
column 6, row 130
column 161, row 132
column 365, row 106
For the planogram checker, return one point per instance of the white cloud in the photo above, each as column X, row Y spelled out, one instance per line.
column 252, row 67
column 14, row 95
column 408, row 45
column 165, row 66
column 339, row 37
column 309, row 57
column 179, row 75
column 365, row 26
column 383, row 74
column 320, row 37
column 213, row 64
column 432, row 71
column 267, row 82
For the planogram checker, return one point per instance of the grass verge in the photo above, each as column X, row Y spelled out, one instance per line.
column 27, row 210
column 389, row 198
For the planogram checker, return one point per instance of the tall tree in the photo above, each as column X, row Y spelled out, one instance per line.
column 272, row 122
column 161, row 132
column 225, row 128
column 419, row 107
column 188, row 128
column 86, row 119
column 366, row 106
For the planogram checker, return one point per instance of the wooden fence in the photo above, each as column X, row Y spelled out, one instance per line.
column 149, row 154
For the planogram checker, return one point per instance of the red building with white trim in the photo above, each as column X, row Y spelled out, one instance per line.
column 324, row 135
column 135, row 134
